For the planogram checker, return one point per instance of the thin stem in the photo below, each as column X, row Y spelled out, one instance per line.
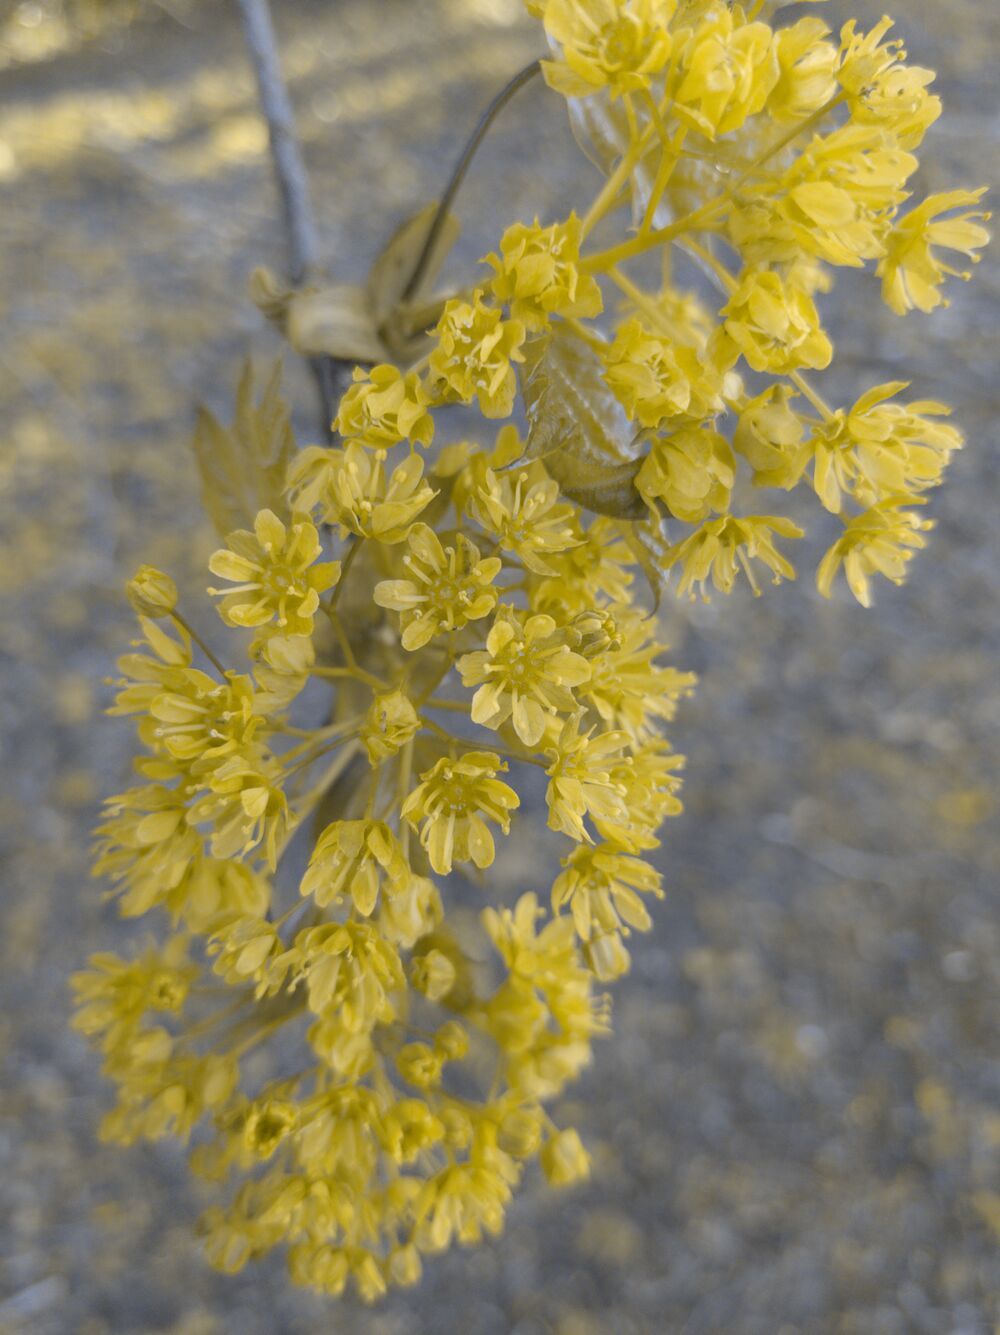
column 817, row 401
column 345, row 570
column 186, row 625
column 602, row 260
column 458, row 173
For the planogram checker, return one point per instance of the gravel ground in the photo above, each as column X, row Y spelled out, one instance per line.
column 796, row 1126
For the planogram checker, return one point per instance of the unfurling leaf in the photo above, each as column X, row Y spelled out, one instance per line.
column 578, row 427
column 336, row 322
column 392, row 271
column 243, row 468
column 648, row 543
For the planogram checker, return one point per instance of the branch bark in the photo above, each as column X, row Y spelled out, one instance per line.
column 289, row 168
column 290, row 172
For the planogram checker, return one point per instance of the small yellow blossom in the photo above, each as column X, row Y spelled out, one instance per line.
column 911, row 272
column 880, row 449
column 602, row 887
column 384, row 406
column 728, row 68
column 474, row 356
column 390, row 723
column 564, row 1160
column 807, row 65
column 537, row 274
column 354, row 857
column 522, row 510
column 774, row 325
column 526, row 674
column 881, row 541
column 451, row 801
column 276, row 574
column 580, row 780
column 771, row 436
column 449, row 587
column 607, row 44
column 151, row 592
column 656, row 378
column 199, row 718
column 350, row 489
column 722, row 547
column 246, row 805
column 692, row 471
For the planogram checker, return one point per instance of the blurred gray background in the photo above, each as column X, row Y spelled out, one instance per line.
column 796, row 1126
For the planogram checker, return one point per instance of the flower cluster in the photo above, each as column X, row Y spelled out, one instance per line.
column 422, row 639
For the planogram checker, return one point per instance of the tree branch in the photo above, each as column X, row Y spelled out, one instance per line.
column 289, row 168
column 290, row 173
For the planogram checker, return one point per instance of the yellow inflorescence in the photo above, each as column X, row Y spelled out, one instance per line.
column 479, row 622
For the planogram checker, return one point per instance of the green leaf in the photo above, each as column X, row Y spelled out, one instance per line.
column 578, row 427
column 242, row 468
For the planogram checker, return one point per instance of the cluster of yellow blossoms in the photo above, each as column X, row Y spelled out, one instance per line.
column 481, row 623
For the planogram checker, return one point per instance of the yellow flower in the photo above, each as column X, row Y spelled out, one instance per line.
column 433, row 974
column 352, row 972
column 385, row 406
column 615, row 44
column 275, row 571
column 389, row 724
column 408, row 1129
column 151, row 592
column 807, row 65
column 880, row 89
column 775, row 325
column 626, row 687
column 692, row 471
column 592, row 571
column 113, row 994
column 146, row 845
column 722, row 547
column 522, row 510
column 911, row 272
column 475, row 353
column 248, row 949
column 451, row 800
column 880, row 449
column 353, row 857
column 728, row 68
column 349, row 486
column 201, row 718
column 267, row 1124
column 770, row 435
column 881, row 541
column 146, row 675
column 564, row 1160
column 525, row 674
column 580, row 781
column 245, row 803
column 601, row 885
column 537, row 273
column 449, row 587
column 463, row 1200
column 656, row 378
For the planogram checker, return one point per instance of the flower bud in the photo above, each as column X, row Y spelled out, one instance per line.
column 564, row 1160
column 151, row 592
column 433, row 974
